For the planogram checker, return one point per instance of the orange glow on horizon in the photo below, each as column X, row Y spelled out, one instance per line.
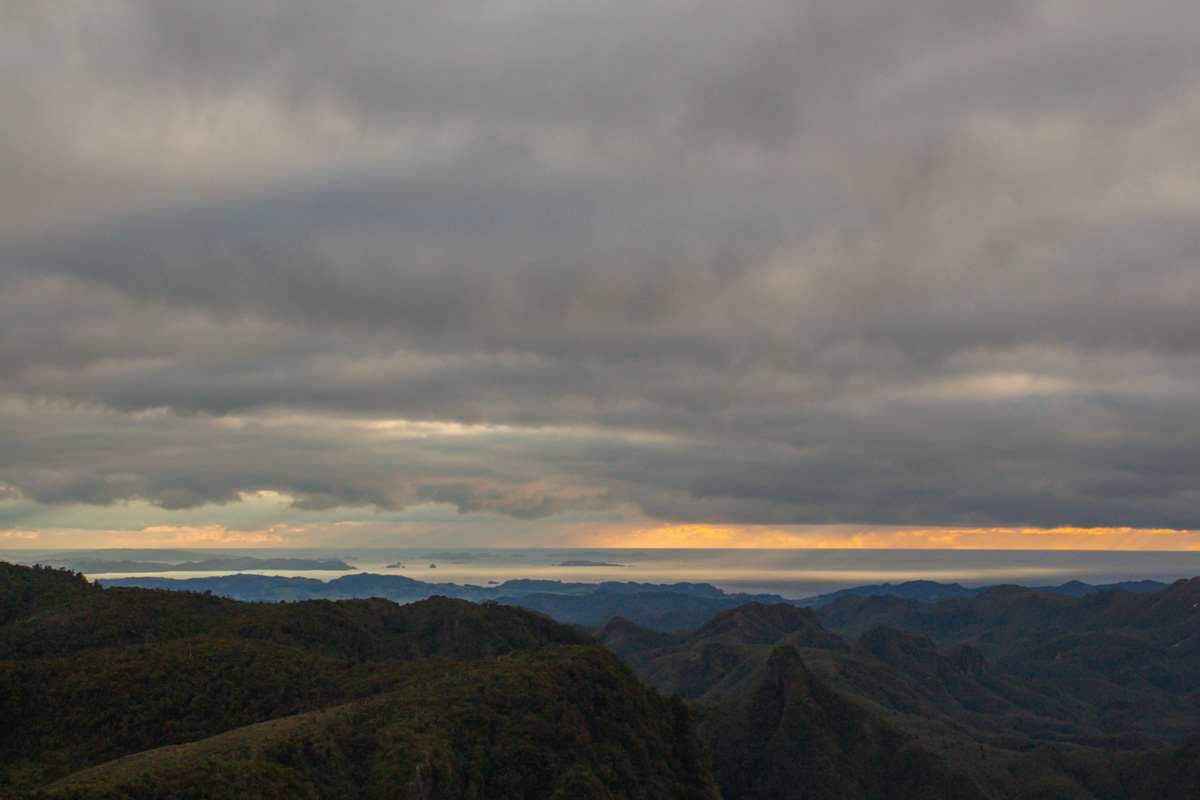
column 201, row 536
column 849, row 537
column 617, row 534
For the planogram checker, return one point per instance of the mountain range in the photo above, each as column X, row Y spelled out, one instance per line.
column 1013, row 693
column 668, row 607
column 1008, row 693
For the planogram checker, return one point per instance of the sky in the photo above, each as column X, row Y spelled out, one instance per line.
column 606, row 273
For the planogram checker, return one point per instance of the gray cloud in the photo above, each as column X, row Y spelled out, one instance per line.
column 886, row 263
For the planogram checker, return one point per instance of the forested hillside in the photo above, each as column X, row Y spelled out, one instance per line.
column 139, row 693
column 1011, row 694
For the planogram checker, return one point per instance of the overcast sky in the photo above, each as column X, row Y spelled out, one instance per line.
column 547, row 265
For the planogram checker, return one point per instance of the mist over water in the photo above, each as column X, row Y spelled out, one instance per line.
column 790, row 573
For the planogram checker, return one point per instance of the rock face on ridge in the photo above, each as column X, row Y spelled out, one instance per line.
column 791, row 737
column 710, row 662
column 775, row 730
column 1014, row 694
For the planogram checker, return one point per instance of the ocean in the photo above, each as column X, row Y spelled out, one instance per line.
column 790, row 573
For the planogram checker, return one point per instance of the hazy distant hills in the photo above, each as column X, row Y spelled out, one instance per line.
column 666, row 607
column 932, row 591
column 1015, row 615
column 399, row 587
column 663, row 606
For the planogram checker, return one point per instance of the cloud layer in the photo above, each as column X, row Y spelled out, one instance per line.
column 865, row 263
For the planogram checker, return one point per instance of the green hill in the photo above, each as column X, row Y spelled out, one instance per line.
column 141, row 693
column 563, row 722
column 791, row 737
column 775, row 730
column 1112, row 664
column 1012, row 694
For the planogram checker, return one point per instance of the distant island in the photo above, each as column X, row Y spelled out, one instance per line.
column 583, row 562
column 450, row 556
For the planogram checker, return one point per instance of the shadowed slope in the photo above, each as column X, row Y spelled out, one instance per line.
column 790, row 738
column 464, row 699
column 558, row 723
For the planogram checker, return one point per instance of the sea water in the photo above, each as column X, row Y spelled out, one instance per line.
column 790, row 573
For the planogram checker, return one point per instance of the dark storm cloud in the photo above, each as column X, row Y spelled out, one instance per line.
column 911, row 263
column 609, row 64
